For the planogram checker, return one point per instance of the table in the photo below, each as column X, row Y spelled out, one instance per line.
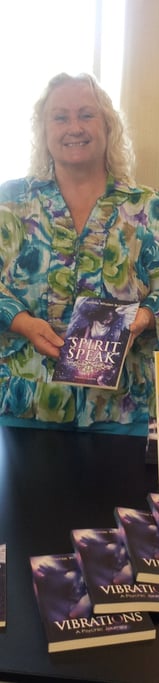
column 50, row 482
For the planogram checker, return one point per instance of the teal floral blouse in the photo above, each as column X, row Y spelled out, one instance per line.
column 44, row 266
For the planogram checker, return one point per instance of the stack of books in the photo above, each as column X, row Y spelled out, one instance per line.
column 103, row 591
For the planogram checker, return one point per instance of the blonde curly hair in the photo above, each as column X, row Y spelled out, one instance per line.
column 119, row 153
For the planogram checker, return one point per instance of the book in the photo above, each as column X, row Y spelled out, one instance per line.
column 142, row 539
column 151, row 444
column 96, row 343
column 108, row 574
column 2, row 585
column 153, row 501
column 156, row 356
column 66, row 611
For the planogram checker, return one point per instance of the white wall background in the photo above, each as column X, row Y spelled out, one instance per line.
column 40, row 38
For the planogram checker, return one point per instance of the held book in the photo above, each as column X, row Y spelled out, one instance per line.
column 96, row 343
column 2, row 585
column 66, row 611
column 108, row 574
column 142, row 539
column 153, row 501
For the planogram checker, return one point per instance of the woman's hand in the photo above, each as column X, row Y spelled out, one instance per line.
column 145, row 320
column 39, row 332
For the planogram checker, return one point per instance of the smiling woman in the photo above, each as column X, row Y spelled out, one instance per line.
column 76, row 109
column 76, row 134
column 77, row 121
column 78, row 226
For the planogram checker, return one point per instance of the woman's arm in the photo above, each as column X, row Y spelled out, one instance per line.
column 17, row 320
column 149, row 309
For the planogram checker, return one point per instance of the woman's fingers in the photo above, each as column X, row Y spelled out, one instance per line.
column 43, row 337
column 145, row 319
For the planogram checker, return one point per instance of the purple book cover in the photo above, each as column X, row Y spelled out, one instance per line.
column 66, row 610
column 153, row 501
column 96, row 343
column 142, row 538
column 108, row 574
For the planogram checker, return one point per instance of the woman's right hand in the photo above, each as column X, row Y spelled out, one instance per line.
column 39, row 332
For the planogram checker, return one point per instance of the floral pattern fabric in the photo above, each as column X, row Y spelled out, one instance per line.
column 44, row 265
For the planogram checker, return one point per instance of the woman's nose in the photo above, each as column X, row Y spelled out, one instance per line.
column 75, row 126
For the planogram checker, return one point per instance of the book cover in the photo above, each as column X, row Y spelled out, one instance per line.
column 66, row 611
column 108, row 574
column 153, row 501
column 2, row 585
column 151, row 444
column 142, row 539
column 96, row 343
column 156, row 355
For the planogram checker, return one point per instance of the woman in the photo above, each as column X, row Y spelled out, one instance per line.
column 76, row 225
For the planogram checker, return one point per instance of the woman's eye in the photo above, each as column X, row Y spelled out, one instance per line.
column 60, row 118
column 87, row 115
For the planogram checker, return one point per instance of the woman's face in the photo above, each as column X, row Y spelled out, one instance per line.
column 75, row 128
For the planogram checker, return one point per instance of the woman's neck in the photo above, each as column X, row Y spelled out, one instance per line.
column 80, row 192
column 81, row 181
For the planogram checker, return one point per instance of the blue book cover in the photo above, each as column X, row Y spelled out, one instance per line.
column 96, row 343
column 66, row 611
column 141, row 535
column 108, row 573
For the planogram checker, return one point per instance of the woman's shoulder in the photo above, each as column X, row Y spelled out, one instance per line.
column 13, row 190
column 134, row 189
column 18, row 190
column 131, row 187
column 141, row 197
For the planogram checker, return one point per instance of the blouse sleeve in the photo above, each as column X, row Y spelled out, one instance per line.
column 150, row 252
column 12, row 233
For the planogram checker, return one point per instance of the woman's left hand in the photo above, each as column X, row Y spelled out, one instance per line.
column 145, row 320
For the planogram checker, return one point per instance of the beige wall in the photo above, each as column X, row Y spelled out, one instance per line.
column 140, row 86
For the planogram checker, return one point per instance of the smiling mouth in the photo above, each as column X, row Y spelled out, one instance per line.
column 76, row 144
